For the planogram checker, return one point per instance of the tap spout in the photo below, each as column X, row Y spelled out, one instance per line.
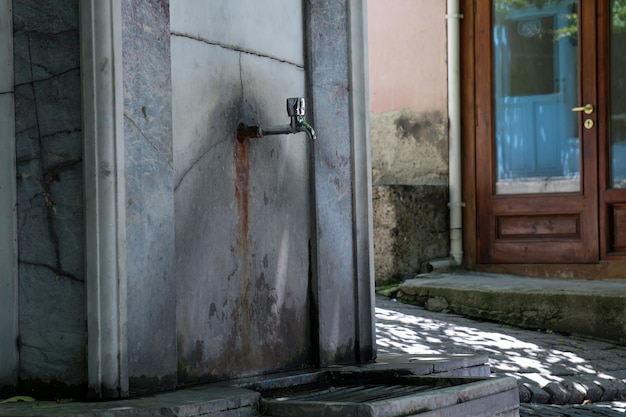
column 303, row 126
column 295, row 110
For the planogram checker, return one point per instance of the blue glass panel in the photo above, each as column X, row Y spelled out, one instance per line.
column 535, row 46
column 618, row 94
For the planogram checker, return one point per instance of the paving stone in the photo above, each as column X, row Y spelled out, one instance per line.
column 621, row 391
column 538, row 395
column 609, row 365
column 609, row 390
column 576, row 390
column 524, row 393
column 593, row 390
column 534, row 410
column 558, row 393
column 620, row 375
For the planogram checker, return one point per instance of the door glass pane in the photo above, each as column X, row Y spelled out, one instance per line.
column 535, row 44
column 618, row 94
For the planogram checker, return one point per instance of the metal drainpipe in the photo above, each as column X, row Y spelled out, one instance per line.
column 455, row 202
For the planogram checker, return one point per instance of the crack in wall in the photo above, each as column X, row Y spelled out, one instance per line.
column 48, row 72
column 56, row 270
column 191, row 167
column 52, row 173
column 234, row 48
column 19, row 27
column 49, row 175
column 39, row 80
column 60, row 132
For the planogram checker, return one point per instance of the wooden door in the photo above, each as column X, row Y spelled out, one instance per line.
column 537, row 189
column 612, row 129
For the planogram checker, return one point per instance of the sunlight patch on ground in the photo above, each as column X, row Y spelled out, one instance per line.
column 412, row 334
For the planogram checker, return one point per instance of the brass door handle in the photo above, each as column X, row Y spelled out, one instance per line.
column 587, row 108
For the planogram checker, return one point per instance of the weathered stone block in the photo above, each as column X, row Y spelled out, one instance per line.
column 436, row 304
column 409, row 147
column 410, row 227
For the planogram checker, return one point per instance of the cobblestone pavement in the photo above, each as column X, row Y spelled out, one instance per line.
column 556, row 374
column 544, row 410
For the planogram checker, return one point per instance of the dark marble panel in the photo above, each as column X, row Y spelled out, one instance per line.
column 58, row 103
column 49, row 191
column 34, row 244
column 49, row 188
column 52, row 331
column 150, row 195
column 54, row 54
column 21, row 58
column 26, row 129
column 39, row 56
column 46, row 16
column 65, row 184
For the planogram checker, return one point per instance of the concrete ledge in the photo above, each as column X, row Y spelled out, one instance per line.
column 240, row 398
column 195, row 401
column 595, row 309
column 434, row 365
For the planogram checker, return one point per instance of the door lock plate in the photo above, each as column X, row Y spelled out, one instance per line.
column 589, row 124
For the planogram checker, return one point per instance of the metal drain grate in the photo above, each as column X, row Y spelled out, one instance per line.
column 380, row 394
column 355, row 393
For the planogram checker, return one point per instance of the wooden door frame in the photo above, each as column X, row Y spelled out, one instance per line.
column 608, row 267
column 611, row 200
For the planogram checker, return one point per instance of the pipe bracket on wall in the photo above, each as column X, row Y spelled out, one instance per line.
column 296, row 109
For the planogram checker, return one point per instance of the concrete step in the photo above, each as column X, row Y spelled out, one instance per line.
column 241, row 398
column 589, row 308
column 595, row 309
column 391, row 393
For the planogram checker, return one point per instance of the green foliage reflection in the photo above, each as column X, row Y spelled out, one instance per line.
column 618, row 7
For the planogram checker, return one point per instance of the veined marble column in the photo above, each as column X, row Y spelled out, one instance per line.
column 8, row 202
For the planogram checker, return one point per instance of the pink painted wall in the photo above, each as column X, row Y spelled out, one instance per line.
column 407, row 55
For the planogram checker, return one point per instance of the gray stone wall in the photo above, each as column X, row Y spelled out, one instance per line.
column 409, row 231
column 49, row 188
column 410, row 178
column 410, row 228
column 409, row 148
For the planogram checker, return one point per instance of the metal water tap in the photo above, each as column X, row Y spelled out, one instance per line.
column 296, row 109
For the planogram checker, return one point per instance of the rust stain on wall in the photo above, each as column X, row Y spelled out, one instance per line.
column 242, row 193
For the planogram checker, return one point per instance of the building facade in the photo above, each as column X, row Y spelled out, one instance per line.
column 145, row 247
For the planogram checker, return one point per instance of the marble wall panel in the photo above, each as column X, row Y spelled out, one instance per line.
column 149, row 195
column 242, row 215
column 8, row 239
column 52, row 333
column 271, row 28
column 49, row 187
